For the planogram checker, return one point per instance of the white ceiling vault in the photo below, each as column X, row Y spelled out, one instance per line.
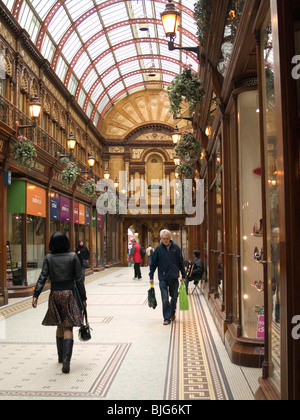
column 104, row 50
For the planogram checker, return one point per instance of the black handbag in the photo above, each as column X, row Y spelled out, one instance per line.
column 84, row 333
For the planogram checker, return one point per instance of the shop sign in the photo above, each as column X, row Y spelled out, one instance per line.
column 261, row 327
column 65, row 209
column 54, row 206
column 36, row 201
column 16, row 197
column 76, row 212
column 81, row 214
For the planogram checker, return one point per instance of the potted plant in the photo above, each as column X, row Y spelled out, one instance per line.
column 189, row 148
column 89, row 188
column 24, row 152
column 185, row 87
column 69, row 174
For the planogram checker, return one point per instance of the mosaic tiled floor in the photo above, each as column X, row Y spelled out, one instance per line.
column 193, row 371
column 131, row 356
column 31, row 369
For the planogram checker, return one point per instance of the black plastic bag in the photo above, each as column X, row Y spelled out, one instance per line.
column 152, row 302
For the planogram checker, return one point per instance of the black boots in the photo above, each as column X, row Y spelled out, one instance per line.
column 67, row 355
column 64, row 352
column 60, row 348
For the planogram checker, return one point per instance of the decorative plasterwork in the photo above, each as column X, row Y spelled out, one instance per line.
column 138, row 110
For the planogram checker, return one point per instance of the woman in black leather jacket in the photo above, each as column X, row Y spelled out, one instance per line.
column 63, row 269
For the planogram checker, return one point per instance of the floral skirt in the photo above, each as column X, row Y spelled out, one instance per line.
column 63, row 310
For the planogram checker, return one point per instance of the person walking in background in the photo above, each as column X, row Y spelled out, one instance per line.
column 149, row 252
column 63, row 268
column 84, row 256
column 168, row 259
column 135, row 256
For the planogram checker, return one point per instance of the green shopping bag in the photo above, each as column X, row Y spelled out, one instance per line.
column 183, row 298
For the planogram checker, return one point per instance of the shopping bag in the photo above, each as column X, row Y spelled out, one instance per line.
column 152, row 298
column 183, row 298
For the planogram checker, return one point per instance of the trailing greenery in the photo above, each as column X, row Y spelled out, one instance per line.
column 70, row 173
column 24, row 152
column 89, row 188
column 186, row 87
column 202, row 13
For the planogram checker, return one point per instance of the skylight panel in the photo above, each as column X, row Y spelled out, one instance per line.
column 189, row 4
column 116, row 89
column 120, row 34
column 132, row 80
column 97, row 92
column 89, row 109
column 77, row 8
column 43, row 7
column 81, row 98
column 112, row 16
column 62, row 68
column 167, row 78
column 59, row 25
column 111, row 77
column 98, row 47
column 90, row 80
column 128, row 67
column 81, row 65
column 9, row 4
column 71, row 47
column 73, row 84
column 89, row 27
column 125, row 52
column 105, row 64
column 48, row 48
column 103, row 103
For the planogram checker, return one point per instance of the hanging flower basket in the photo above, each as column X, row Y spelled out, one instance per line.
column 186, row 87
column 186, row 171
column 89, row 188
column 24, row 152
column 189, row 148
column 69, row 174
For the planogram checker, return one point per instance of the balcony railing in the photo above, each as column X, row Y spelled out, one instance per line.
column 9, row 114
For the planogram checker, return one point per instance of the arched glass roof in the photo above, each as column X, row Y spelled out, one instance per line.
column 103, row 50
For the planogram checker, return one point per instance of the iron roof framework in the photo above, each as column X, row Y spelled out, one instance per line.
column 103, row 50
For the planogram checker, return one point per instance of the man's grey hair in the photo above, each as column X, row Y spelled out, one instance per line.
column 165, row 232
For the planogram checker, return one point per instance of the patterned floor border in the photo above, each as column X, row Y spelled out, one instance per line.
column 39, row 375
column 194, row 371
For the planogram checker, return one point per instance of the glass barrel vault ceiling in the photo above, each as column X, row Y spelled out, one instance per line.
column 103, row 50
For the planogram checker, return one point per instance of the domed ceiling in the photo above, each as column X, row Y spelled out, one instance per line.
column 105, row 50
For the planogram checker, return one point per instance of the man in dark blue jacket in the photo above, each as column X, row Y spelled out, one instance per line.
column 169, row 261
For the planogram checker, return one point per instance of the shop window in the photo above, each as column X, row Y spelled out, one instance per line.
column 35, row 247
column 250, row 208
column 16, row 272
column 272, row 222
column 234, row 221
